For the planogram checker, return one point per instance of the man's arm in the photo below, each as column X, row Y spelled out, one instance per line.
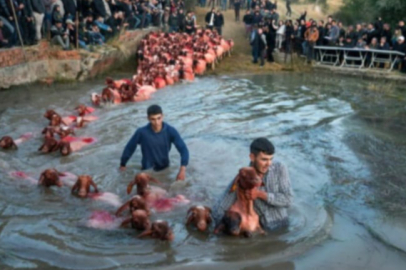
column 130, row 149
column 183, row 151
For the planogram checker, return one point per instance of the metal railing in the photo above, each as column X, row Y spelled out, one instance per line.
column 357, row 58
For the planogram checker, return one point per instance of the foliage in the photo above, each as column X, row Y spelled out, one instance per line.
column 355, row 11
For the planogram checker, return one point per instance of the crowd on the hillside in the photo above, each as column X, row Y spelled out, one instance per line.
column 73, row 23
column 267, row 33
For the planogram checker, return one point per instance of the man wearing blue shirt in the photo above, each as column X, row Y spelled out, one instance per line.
column 156, row 139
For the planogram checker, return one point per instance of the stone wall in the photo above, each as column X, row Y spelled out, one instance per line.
column 45, row 62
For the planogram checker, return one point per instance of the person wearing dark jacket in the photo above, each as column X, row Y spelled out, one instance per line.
column 289, row 37
column 173, row 22
column 70, row 8
column 258, row 43
column 237, row 6
column 4, row 43
column 210, row 18
column 27, row 22
column 99, row 9
column 181, row 20
column 59, row 35
column 321, row 29
column 156, row 139
column 271, row 40
column 387, row 33
column 247, row 19
column 400, row 46
column 219, row 21
column 38, row 9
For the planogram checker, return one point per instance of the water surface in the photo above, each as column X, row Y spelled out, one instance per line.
column 340, row 138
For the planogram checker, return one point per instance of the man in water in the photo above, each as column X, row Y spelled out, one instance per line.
column 155, row 139
column 272, row 200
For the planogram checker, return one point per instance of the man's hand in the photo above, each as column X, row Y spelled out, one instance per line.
column 253, row 194
column 181, row 174
column 122, row 168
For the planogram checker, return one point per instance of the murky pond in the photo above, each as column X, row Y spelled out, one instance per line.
column 343, row 141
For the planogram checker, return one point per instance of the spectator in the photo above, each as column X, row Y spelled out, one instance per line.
column 334, row 33
column 101, row 8
column 311, row 36
column 258, row 43
column 70, row 9
column 223, row 4
column 280, row 35
column 61, row 7
column 341, row 30
column 402, row 28
column 71, row 29
column 322, row 33
column 383, row 44
column 237, row 6
column 400, row 46
column 105, row 29
column 387, row 33
column 256, row 18
column 274, row 15
column 371, row 33
column 289, row 36
column 248, row 20
column 288, row 9
column 361, row 44
column 351, row 35
column 165, row 20
column 56, row 14
column 173, row 22
column 219, row 21
column 181, row 20
column 189, row 24
column 38, row 9
column 4, row 43
column 60, row 35
column 96, row 38
column 210, row 18
column 374, row 44
column 27, row 22
column 271, row 40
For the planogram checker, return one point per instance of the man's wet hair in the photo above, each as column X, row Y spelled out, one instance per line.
column 154, row 110
column 262, row 145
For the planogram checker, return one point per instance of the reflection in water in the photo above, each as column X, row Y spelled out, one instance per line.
column 323, row 132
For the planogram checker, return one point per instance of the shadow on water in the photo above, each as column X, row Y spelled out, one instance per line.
column 340, row 141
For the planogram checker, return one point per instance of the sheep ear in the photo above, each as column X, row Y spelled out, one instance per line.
column 41, row 179
column 130, row 187
column 152, row 179
column 235, row 183
column 190, row 218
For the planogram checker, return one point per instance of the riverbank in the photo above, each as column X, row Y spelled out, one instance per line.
column 47, row 63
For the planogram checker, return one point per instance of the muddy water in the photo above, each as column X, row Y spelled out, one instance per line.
column 340, row 138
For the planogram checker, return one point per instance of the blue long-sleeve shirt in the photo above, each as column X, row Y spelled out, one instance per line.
column 155, row 147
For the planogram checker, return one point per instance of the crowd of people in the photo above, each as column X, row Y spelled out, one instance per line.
column 80, row 23
column 268, row 34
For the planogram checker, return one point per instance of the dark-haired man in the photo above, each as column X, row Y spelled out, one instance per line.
column 155, row 140
column 271, row 200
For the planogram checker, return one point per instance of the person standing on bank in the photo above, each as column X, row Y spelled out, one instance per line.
column 219, row 22
column 155, row 140
column 237, row 6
